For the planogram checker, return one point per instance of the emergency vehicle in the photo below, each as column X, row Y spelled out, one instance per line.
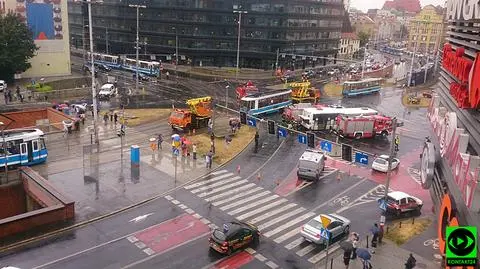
column 364, row 126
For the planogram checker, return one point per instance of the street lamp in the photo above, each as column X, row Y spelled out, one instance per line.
column 240, row 12
column 137, row 44
column 364, row 59
column 176, row 51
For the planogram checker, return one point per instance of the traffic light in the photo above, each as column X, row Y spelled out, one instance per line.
column 311, row 140
column 271, row 127
column 243, row 117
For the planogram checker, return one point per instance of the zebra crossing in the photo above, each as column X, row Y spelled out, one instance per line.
column 276, row 217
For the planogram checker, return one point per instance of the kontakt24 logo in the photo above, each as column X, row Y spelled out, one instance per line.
column 461, row 246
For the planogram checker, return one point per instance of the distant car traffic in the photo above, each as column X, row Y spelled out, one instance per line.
column 308, row 73
column 141, row 77
column 381, row 163
column 236, row 236
column 399, row 202
column 103, row 67
column 88, row 68
column 289, row 76
column 336, row 225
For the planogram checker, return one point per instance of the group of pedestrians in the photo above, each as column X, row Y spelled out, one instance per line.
column 9, row 96
column 113, row 117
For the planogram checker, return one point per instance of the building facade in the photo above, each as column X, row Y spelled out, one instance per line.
column 207, row 30
column 425, row 30
column 349, row 45
column 48, row 21
column 450, row 162
column 411, row 6
column 363, row 23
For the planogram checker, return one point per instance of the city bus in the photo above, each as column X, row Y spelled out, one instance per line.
column 360, row 87
column 149, row 68
column 266, row 102
column 22, row 147
column 320, row 119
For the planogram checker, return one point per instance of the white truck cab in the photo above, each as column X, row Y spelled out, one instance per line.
column 3, row 85
column 311, row 164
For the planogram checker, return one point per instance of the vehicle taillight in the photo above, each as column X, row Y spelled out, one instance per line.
column 225, row 244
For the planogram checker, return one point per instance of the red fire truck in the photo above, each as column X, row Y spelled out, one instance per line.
column 246, row 89
column 364, row 126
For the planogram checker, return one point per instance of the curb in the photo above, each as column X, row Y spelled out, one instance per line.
column 25, row 242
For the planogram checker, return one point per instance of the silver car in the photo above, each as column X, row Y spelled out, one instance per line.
column 335, row 224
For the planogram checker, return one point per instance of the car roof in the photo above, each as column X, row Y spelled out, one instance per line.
column 107, row 85
column 312, row 156
column 397, row 195
column 233, row 227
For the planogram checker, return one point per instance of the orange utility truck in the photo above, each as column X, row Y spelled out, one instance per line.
column 196, row 116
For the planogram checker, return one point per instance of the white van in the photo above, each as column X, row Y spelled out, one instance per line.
column 311, row 164
column 3, row 85
column 107, row 90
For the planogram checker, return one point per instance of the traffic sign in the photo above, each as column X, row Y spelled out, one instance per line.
column 383, row 205
column 325, row 234
column 302, row 139
column 282, row 132
column 252, row 122
column 176, row 151
column 326, row 146
column 361, row 158
column 225, row 228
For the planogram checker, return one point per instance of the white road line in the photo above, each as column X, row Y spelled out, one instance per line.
column 289, row 224
column 218, row 172
column 168, row 197
column 235, row 197
column 176, row 202
column 272, row 265
column 260, row 257
column 230, row 192
column 272, row 213
column 338, row 195
column 281, row 218
column 356, row 201
column 250, row 250
column 304, row 251
column 189, row 211
column 205, row 221
column 287, row 235
column 261, row 209
column 223, row 182
column 140, row 244
column 322, row 254
column 294, row 243
column 182, row 206
column 197, row 216
column 149, row 251
column 252, row 205
column 206, row 181
column 226, row 187
column 132, row 239
column 245, row 200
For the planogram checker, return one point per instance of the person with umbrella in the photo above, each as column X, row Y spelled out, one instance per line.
column 347, row 247
column 365, row 256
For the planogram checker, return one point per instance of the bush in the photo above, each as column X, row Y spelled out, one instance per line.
column 39, row 87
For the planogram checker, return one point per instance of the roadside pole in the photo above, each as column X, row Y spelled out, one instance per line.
column 389, row 172
column 326, row 252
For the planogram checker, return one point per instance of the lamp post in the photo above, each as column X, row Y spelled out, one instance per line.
column 106, row 40
column 411, row 64
column 137, row 47
column 364, row 59
column 240, row 12
column 176, row 51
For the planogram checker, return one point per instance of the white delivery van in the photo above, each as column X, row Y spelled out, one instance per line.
column 311, row 165
column 107, row 90
column 3, row 85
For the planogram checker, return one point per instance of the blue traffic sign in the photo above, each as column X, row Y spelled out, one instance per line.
column 361, row 158
column 326, row 146
column 383, row 205
column 302, row 139
column 252, row 122
column 282, row 132
column 324, row 233
column 176, row 151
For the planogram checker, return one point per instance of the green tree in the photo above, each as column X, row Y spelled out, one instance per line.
column 364, row 37
column 16, row 46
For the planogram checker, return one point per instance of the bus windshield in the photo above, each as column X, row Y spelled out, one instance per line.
column 247, row 105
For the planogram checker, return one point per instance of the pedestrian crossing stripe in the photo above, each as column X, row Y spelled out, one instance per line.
column 275, row 216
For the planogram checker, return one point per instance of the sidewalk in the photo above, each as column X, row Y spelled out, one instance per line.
column 386, row 256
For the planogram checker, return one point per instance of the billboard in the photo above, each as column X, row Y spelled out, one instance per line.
column 43, row 17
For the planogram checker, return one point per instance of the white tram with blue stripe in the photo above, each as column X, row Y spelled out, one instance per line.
column 266, row 102
column 362, row 87
column 22, row 148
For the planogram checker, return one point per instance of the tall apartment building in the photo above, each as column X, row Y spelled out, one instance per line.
column 425, row 30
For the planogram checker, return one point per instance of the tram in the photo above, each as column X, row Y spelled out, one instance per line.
column 361, row 87
column 266, row 102
column 22, row 147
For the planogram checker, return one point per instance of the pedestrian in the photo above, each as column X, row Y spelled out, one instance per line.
column 184, row 149
column 209, row 159
column 346, row 258
column 375, row 232
column 380, row 234
column 355, row 238
column 210, row 126
column 5, row 96
column 168, row 74
column 111, row 116
column 17, row 93
column 256, row 141
column 194, row 151
column 115, row 118
column 228, row 139
column 9, row 94
column 105, row 118
column 159, row 140
column 411, row 262
column 366, row 264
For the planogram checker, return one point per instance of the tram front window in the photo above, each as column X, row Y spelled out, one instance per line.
column 246, row 105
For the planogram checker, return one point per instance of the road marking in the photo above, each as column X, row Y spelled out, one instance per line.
column 149, row 251
column 338, row 195
column 250, row 250
column 205, row 221
column 358, row 200
column 281, row 218
column 228, row 186
column 182, row 206
column 235, row 197
column 260, row 257
column 304, row 251
column 228, row 193
column 288, row 224
column 219, row 172
column 254, row 204
column 295, row 243
column 141, row 218
column 272, row 213
column 197, row 216
column 206, row 181
column 261, row 209
column 132, row 239
column 140, row 245
column 168, row 197
column 223, row 182
column 271, row 264
column 175, row 202
column 245, row 200
column 321, row 255
column 287, row 235
column 189, row 211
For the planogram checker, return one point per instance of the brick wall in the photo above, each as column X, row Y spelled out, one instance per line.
column 29, row 118
column 56, row 118
column 12, row 199
column 380, row 73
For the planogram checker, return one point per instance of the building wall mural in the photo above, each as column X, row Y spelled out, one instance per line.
column 44, row 17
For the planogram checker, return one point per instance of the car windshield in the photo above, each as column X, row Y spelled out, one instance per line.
column 381, row 161
column 315, row 224
column 219, row 235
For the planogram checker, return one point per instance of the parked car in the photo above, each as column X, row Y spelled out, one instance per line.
column 381, row 163
column 3, row 85
column 311, row 164
column 103, row 67
column 236, row 236
column 141, row 77
column 88, row 68
column 335, row 224
column 399, row 202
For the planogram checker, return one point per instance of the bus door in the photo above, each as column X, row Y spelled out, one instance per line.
column 35, row 150
column 24, row 153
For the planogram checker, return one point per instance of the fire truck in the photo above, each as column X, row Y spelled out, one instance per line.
column 246, row 89
column 302, row 92
column 364, row 126
column 196, row 116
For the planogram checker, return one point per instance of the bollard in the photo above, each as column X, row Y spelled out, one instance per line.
column 413, row 220
column 331, row 263
column 259, row 176
column 367, row 241
column 387, row 229
column 135, row 155
column 400, row 224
